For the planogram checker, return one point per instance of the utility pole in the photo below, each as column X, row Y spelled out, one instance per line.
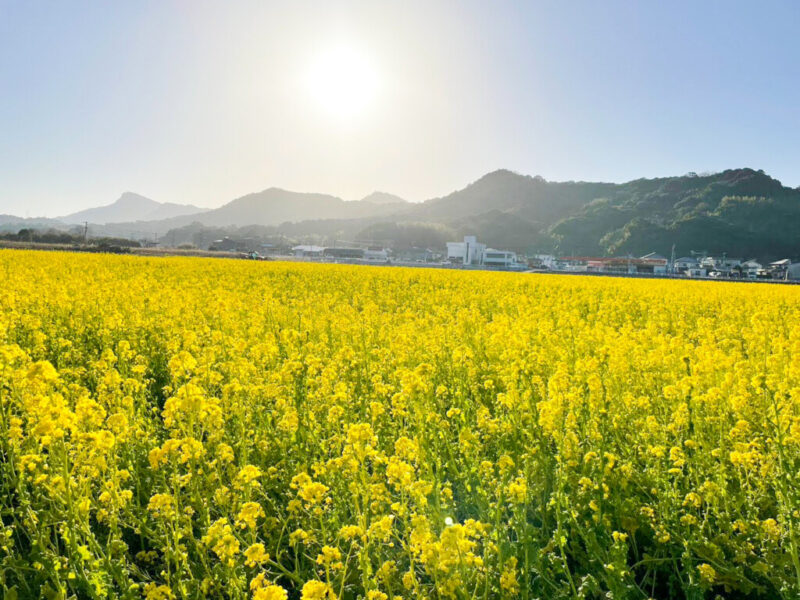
column 672, row 260
column 85, row 232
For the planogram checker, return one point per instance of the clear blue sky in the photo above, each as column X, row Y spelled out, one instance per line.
column 200, row 102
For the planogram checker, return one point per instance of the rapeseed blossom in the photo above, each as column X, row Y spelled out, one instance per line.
column 188, row 428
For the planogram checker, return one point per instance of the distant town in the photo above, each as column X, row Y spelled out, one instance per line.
column 471, row 253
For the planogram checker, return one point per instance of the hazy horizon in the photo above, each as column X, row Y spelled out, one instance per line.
column 203, row 102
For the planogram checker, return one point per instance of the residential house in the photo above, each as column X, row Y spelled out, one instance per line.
column 684, row 264
column 721, row 266
column 750, row 269
column 778, row 269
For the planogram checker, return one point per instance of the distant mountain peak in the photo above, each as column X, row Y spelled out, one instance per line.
column 506, row 176
column 746, row 173
column 130, row 207
column 503, row 173
column 128, row 198
column 383, row 198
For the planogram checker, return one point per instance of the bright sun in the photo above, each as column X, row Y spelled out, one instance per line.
column 343, row 82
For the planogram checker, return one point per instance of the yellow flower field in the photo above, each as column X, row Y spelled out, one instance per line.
column 190, row 428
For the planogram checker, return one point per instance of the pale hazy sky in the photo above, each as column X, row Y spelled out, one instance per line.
column 201, row 102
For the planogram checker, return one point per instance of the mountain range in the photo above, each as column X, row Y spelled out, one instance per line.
column 275, row 206
column 743, row 212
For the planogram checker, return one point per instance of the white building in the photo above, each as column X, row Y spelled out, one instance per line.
column 793, row 271
column 472, row 252
column 499, row 258
column 468, row 252
column 548, row 261
column 308, row 251
column 376, row 254
column 696, row 271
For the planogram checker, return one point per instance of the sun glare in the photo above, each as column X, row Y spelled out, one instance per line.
column 343, row 82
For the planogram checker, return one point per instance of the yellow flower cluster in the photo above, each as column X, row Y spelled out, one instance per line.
column 189, row 428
